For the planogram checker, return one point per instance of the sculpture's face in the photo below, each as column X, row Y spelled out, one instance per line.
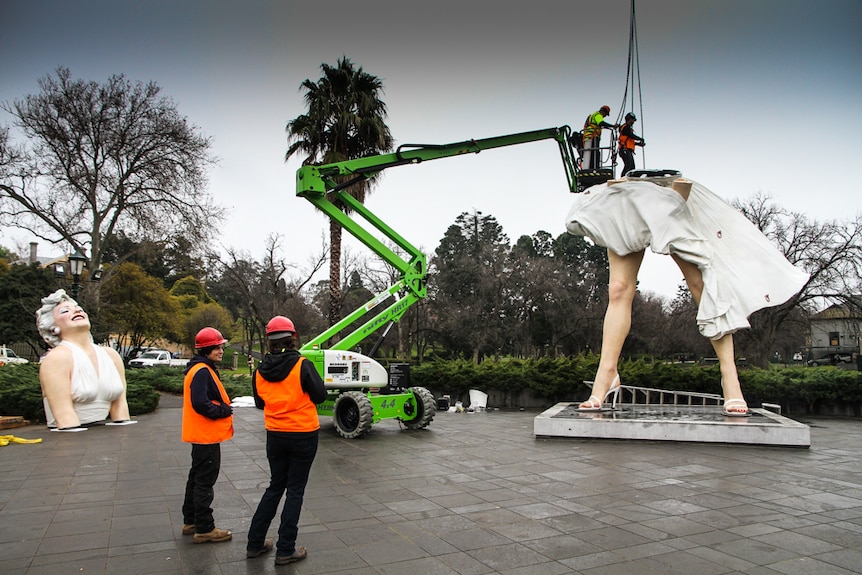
column 69, row 317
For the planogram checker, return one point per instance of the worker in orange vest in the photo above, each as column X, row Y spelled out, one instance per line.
column 207, row 421
column 287, row 387
column 628, row 141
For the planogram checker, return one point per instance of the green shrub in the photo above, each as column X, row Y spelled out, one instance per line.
column 170, row 380
column 796, row 389
column 236, row 384
column 141, row 397
column 21, row 393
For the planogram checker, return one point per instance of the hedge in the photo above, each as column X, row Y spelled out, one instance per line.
column 806, row 390
column 21, row 394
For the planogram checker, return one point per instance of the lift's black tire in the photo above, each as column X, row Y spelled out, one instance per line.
column 353, row 415
column 425, row 407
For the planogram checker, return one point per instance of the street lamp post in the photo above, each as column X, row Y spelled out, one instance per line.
column 76, row 268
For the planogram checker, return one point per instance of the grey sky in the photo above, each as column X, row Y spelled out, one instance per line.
column 744, row 96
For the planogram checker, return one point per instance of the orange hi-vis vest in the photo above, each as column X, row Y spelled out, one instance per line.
column 626, row 141
column 286, row 405
column 198, row 428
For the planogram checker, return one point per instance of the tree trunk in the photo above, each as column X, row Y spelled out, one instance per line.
column 402, row 340
column 761, row 345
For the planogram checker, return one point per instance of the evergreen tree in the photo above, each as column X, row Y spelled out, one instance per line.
column 22, row 288
column 470, row 278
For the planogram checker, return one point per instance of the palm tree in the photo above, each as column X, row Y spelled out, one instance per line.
column 345, row 120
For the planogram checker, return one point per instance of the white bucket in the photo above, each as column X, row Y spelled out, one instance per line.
column 478, row 400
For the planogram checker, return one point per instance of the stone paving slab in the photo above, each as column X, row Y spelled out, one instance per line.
column 473, row 494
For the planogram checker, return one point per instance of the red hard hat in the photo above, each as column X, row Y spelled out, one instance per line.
column 208, row 337
column 606, row 108
column 277, row 327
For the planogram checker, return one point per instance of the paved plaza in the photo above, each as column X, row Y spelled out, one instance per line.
column 474, row 494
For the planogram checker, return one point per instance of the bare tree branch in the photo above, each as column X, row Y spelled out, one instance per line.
column 101, row 158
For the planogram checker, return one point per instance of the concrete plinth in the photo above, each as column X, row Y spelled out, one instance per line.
column 703, row 424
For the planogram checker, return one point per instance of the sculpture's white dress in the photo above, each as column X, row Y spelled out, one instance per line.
column 93, row 390
column 742, row 271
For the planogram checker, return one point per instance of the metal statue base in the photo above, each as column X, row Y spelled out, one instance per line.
column 692, row 423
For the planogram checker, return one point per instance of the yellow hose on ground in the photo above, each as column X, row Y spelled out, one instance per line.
column 7, row 439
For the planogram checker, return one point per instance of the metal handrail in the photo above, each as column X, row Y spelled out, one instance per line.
column 689, row 397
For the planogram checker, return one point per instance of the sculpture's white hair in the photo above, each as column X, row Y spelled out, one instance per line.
column 45, row 316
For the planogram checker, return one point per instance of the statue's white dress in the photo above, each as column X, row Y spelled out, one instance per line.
column 93, row 390
column 742, row 271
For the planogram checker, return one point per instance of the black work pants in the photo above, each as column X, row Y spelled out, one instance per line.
column 206, row 462
column 628, row 157
column 290, row 458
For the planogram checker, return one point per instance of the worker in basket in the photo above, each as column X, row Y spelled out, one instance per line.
column 627, row 143
column 593, row 125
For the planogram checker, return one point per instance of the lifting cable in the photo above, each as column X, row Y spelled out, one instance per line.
column 633, row 79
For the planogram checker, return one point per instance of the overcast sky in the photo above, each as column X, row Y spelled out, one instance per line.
column 744, row 96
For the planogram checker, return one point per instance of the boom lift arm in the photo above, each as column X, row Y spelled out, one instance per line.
column 349, row 376
column 320, row 185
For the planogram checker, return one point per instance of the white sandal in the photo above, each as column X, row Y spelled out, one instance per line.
column 595, row 404
column 737, row 402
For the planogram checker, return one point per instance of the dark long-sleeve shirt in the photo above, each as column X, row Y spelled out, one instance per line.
column 205, row 391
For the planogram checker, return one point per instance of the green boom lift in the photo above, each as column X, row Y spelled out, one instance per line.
column 359, row 394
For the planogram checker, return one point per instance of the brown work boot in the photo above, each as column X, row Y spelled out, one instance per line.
column 298, row 555
column 252, row 553
column 215, row 536
column 188, row 529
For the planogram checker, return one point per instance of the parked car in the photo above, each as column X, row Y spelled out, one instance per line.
column 9, row 356
column 832, row 359
column 132, row 353
column 157, row 357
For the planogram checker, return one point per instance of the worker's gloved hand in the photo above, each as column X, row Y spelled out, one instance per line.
column 642, row 143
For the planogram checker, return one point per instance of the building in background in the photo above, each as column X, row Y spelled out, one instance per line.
column 836, row 332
